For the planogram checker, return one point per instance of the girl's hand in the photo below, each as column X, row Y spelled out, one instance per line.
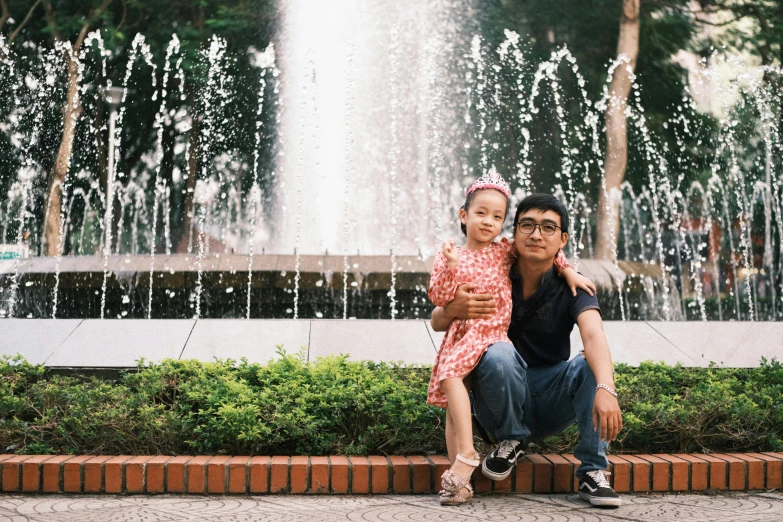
column 450, row 253
column 576, row 280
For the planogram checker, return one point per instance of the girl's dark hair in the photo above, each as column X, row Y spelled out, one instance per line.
column 465, row 207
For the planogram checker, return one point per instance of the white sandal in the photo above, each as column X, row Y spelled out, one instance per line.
column 452, row 484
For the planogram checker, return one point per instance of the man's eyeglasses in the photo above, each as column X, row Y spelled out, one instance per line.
column 547, row 229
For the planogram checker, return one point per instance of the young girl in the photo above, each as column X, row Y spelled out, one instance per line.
column 485, row 263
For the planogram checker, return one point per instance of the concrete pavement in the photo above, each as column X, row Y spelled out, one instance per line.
column 766, row 507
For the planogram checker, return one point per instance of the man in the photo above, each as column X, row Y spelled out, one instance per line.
column 531, row 388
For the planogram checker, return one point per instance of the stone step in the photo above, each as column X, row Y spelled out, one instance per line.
column 119, row 343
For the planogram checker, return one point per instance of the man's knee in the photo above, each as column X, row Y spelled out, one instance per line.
column 501, row 360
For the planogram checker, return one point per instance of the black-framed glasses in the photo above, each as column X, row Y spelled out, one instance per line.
column 546, row 229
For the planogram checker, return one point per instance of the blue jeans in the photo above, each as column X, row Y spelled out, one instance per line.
column 512, row 401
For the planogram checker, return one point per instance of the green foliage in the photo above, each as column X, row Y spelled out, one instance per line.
column 336, row 406
column 288, row 406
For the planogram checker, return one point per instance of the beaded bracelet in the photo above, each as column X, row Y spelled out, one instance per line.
column 607, row 388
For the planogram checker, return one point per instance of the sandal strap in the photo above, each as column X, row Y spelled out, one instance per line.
column 472, row 463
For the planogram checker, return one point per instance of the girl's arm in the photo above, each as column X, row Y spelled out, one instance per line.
column 573, row 278
column 443, row 283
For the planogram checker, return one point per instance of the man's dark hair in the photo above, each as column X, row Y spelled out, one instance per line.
column 543, row 202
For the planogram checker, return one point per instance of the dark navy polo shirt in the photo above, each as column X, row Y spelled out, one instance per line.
column 547, row 338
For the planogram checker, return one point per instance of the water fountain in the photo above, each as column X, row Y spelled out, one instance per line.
column 356, row 175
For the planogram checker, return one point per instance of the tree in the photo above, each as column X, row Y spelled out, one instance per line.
column 616, row 158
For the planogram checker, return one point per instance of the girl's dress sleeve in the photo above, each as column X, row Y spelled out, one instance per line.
column 561, row 263
column 509, row 250
column 443, row 283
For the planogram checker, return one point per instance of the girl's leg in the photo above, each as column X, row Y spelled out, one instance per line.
column 451, row 437
column 461, row 424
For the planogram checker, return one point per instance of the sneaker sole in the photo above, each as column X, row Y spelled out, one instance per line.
column 601, row 501
column 491, row 475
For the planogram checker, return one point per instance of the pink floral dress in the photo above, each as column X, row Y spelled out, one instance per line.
column 466, row 340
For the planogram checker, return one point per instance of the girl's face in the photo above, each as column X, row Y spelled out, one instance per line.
column 484, row 218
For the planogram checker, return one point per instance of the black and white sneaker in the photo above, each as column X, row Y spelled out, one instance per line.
column 501, row 461
column 595, row 489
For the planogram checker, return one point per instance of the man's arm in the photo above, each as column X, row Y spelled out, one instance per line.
column 465, row 305
column 606, row 410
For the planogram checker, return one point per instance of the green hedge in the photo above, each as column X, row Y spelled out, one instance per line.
column 335, row 406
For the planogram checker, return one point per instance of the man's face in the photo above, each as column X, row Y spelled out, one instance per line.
column 538, row 246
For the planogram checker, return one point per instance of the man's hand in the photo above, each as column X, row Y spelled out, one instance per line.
column 467, row 305
column 606, row 415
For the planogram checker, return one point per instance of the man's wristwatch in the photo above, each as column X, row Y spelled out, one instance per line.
column 607, row 388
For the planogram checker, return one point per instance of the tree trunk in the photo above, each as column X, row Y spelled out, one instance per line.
column 187, row 209
column 71, row 113
column 608, row 216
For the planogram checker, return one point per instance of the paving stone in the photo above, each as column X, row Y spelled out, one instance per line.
column 734, row 344
column 509, row 507
column 375, row 340
column 254, row 339
column 128, row 340
column 633, row 342
column 35, row 339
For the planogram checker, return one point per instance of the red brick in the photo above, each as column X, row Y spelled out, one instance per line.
column 175, row 474
column 339, row 474
column 4, row 456
column 93, row 474
column 542, row 474
column 299, row 472
column 112, row 474
column 774, row 469
column 360, row 475
column 755, row 469
column 621, row 474
column 155, row 474
column 563, row 473
column 134, row 474
column 440, row 465
column 481, row 484
column 216, row 475
column 319, row 475
column 237, row 475
column 52, row 471
column 640, row 473
column 718, row 470
column 401, row 474
column 679, row 473
column 197, row 474
column 502, row 486
column 421, row 474
column 523, row 481
column 31, row 473
column 575, row 463
column 737, row 477
column 279, row 475
column 72, row 474
column 379, row 470
column 12, row 472
column 259, row 474
column 699, row 472
column 661, row 470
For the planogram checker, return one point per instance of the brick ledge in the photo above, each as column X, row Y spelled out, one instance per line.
column 242, row 475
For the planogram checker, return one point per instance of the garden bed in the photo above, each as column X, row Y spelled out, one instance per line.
column 334, row 406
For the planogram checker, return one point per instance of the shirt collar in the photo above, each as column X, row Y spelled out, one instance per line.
column 516, row 282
